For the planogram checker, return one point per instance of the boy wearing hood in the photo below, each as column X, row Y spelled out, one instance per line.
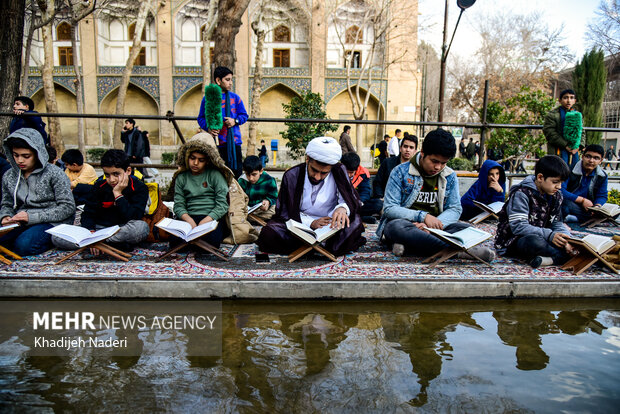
column 488, row 188
column 421, row 194
column 35, row 194
column 530, row 223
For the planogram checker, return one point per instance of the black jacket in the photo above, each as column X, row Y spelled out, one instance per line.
column 102, row 210
column 383, row 174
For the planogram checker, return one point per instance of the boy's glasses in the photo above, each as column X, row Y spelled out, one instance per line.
column 592, row 157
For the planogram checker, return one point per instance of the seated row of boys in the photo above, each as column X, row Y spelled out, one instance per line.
column 420, row 193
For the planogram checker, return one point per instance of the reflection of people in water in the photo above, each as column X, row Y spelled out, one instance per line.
column 576, row 322
column 426, row 345
column 523, row 330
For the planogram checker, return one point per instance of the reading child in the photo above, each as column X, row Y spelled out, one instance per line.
column 81, row 175
column 488, row 188
column 260, row 187
column 200, row 189
column 117, row 198
column 530, row 224
column 360, row 180
column 586, row 186
column 35, row 194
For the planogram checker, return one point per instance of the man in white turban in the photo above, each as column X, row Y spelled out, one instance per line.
column 317, row 193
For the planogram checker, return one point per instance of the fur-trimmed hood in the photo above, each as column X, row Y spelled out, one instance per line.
column 203, row 143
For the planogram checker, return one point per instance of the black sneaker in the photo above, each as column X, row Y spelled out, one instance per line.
column 369, row 220
column 536, row 262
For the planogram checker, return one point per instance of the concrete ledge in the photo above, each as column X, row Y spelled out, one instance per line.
column 282, row 289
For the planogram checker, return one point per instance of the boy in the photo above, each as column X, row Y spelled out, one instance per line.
column 117, row 198
column 35, row 194
column 586, row 185
column 408, row 147
column 135, row 147
column 260, row 187
column 234, row 114
column 425, row 193
column 345, row 140
column 383, row 148
column 488, row 188
column 360, row 179
column 262, row 153
column 530, row 224
column 23, row 104
column 81, row 175
column 200, row 189
column 553, row 129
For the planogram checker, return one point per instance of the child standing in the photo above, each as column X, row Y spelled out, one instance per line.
column 201, row 188
column 530, row 224
column 488, row 188
column 553, row 129
column 35, row 194
column 260, row 187
column 234, row 114
column 21, row 105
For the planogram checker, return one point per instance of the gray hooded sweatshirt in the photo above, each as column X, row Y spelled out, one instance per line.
column 45, row 195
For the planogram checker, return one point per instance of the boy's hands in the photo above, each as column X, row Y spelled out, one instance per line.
column 560, row 240
column 22, row 216
column 203, row 221
column 433, row 222
column 495, row 185
column 265, row 205
column 229, row 122
column 585, row 203
column 214, row 132
column 123, row 182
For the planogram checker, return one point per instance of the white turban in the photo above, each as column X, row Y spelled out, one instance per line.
column 324, row 149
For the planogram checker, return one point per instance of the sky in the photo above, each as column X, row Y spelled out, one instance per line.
column 575, row 14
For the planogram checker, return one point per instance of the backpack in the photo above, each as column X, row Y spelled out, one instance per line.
column 241, row 231
column 157, row 210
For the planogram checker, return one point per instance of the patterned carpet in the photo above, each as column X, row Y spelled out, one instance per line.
column 371, row 262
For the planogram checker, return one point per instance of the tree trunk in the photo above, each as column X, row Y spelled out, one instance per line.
column 47, row 73
column 228, row 23
column 206, row 43
column 26, row 67
column 145, row 6
column 11, row 16
column 79, row 96
column 257, row 85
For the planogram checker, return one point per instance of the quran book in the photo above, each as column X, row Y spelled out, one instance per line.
column 254, row 208
column 306, row 233
column 487, row 210
column 184, row 230
column 8, row 227
column 607, row 209
column 464, row 239
column 599, row 244
column 80, row 235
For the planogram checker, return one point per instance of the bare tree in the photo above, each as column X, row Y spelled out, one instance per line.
column 267, row 15
column 515, row 50
column 604, row 30
column 428, row 61
column 369, row 24
column 146, row 6
column 227, row 26
column 11, row 18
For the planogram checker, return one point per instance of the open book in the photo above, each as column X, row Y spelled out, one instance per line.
column 184, row 230
column 80, row 235
column 607, row 210
column 254, row 208
column 306, row 233
column 597, row 243
column 487, row 210
column 8, row 227
column 463, row 239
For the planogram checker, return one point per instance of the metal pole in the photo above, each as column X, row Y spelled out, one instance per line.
column 484, row 129
column 170, row 117
column 442, row 71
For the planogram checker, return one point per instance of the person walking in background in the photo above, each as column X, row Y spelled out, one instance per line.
column 134, row 143
column 383, row 148
column 345, row 140
column 394, row 143
column 262, row 153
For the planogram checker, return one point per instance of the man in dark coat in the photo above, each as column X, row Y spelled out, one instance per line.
column 317, row 193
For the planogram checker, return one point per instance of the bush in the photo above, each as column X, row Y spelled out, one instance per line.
column 614, row 197
column 461, row 164
column 168, row 158
column 95, row 154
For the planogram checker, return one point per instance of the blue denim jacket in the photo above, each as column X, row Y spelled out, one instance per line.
column 402, row 189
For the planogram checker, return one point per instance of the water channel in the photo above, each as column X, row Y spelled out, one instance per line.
column 345, row 356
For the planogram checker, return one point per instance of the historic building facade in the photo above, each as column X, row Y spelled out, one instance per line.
column 168, row 72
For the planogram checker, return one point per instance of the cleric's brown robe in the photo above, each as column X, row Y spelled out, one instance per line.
column 275, row 238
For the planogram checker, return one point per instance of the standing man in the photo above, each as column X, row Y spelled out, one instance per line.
column 234, row 114
column 408, row 147
column 345, row 140
column 394, row 143
column 134, row 142
column 610, row 156
column 317, row 193
column 383, row 148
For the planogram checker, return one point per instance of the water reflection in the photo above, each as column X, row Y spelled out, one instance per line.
column 341, row 357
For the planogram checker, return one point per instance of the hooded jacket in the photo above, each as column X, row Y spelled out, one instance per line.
column 45, row 195
column 528, row 212
column 480, row 190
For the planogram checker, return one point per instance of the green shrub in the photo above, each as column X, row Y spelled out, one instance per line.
column 461, row 164
column 95, row 154
column 168, row 158
column 614, row 197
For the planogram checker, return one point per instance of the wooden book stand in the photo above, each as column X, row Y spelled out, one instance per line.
column 102, row 247
column 7, row 252
column 595, row 221
column 448, row 253
column 196, row 242
column 257, row 219
column 307, row 247
column 586, row 258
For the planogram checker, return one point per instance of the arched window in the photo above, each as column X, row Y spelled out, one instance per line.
column 282, row 34
column 132, row 31
column 63, row 31
column 354, row 35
